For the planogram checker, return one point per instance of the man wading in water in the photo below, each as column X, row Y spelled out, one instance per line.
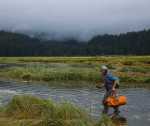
column 110, row 83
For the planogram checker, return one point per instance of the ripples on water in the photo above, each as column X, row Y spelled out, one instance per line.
column 136, row 112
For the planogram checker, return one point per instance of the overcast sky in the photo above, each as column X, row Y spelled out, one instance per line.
column 81, row 18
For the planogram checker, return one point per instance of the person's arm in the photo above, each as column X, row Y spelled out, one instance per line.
column 114, row 91
column 114, row 85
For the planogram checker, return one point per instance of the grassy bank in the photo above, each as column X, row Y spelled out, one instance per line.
column 130, row 69
column 126, row 60
column 33, row 111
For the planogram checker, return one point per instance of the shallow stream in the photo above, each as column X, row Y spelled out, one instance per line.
column 136, row 112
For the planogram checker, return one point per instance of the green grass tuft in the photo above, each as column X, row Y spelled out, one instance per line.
column 29, row 109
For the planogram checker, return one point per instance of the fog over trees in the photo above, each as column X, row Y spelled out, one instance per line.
column 131, row 43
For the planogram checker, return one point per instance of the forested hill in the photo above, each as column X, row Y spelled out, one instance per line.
column 133, row 43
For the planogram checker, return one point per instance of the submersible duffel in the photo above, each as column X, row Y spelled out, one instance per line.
column 113, row 101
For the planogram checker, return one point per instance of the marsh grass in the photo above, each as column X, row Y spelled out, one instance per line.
column 126, row 60
column 143, row 69
column 59, row 73
column 105, row 121
column 32, row 107
column 32, row 111
column 130, row 69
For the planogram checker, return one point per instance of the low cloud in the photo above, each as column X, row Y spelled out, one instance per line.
column 74, row 18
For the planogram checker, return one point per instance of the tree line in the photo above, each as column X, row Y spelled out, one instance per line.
column 131, row 43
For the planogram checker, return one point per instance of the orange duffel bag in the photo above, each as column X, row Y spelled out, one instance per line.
column 116, row 101
column 122, row 100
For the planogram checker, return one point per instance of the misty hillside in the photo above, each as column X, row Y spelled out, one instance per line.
column 133, row 43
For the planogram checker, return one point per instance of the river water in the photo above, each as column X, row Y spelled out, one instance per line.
column 136, row 112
